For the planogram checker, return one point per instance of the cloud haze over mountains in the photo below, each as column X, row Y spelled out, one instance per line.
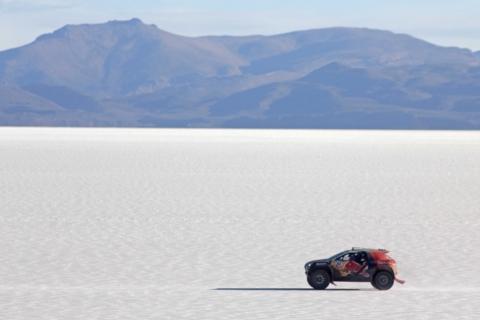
column 127, row 73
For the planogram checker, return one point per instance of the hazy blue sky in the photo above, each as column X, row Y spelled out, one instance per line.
column 443, row 22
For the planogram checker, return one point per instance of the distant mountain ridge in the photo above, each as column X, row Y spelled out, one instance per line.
column 127, row 73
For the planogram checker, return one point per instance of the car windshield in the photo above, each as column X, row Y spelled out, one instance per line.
column 338, row 255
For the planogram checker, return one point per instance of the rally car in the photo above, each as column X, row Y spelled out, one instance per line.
column 356, row 265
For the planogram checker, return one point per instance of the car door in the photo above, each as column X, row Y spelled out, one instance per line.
column 339, row 267
column 358, row 266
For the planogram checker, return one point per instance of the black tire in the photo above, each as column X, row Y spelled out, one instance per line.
column 319, row 279
column 383, row 280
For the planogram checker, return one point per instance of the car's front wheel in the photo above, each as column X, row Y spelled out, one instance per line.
column 383, row 280
column 319, row 279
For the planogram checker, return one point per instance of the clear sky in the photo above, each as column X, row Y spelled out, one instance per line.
column 445, row 22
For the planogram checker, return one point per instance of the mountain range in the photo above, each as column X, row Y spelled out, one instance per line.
column 131, row 74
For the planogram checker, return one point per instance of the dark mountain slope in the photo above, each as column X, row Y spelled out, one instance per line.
column 345, row 97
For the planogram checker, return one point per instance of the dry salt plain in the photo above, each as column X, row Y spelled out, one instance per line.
column 217, row 224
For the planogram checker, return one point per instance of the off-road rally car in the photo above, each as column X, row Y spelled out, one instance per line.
column 355, row 265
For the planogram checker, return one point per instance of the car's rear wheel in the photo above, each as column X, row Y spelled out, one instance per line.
column 319, row 279
column 383, row 280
